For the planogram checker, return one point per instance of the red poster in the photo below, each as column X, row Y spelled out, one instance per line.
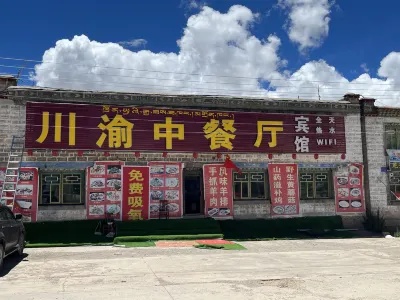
column 283, row 180
column 136, row 193
column 349, row 189
column 26, row 195
column 166, row 184
column 218, row 193
column 104, row 193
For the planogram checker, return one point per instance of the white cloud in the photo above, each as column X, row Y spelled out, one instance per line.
column 364, row 67
column 308, row 22
column 134, row 43
column 212, row 43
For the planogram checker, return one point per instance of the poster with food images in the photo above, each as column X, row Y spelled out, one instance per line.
column 218, row 194
column 136, row 193
column 349, row 189
column 104, row 190
column 26, row 194
column 166, row 184
column 284, row 185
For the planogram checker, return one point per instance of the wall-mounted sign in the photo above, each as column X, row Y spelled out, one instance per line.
column 136, row 193
column 104, row 193
column 218, row 194
column 349, row 189
column 84, row 127
column 284, row 185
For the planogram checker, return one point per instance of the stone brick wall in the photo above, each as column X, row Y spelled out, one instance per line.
column 12, row 122
column 377, row 159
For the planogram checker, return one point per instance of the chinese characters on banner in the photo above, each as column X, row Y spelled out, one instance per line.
column 136, row 193
column 349, row 189
column 166, row 184
column 93, row 127
column 218, row 191
column 104, row 190
column 26, row 195
column 284, row 186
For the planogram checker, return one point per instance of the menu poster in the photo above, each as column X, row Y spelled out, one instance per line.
column 349, row 190
column 26, row 195
column 218, row 193
column 283, row 179
column 136, row 193
column 166, row 184
column 104, row 193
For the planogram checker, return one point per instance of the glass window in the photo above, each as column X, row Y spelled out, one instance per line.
column 315, row 185
column 392, row 136
column 249, row 185
column 62, row 188
column 394, row 185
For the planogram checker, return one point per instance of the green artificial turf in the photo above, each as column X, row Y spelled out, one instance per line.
column 137, row 244
column 124, row 239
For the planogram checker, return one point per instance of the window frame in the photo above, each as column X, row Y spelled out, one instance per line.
column 249, row 181
column 389, row 127
column 61, row 184
column 329, row 172
column 392, row 198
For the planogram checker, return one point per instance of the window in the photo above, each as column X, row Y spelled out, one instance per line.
column 249, row 185
column 62, row 188
column 315, row 185
column 394, row 185
column 392, row 136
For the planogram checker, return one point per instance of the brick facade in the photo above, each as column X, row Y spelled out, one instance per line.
column 12, row 122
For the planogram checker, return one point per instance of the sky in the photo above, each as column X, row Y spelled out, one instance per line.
column 301, row 49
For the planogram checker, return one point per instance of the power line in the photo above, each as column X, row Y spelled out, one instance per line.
column 174, row 72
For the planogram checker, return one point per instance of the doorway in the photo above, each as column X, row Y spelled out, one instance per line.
column 193, row 196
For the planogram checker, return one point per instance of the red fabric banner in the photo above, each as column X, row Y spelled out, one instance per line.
column 284, row 184
column 218, row 194
column 26, row 195
column 104, row 193
column 166, row 184
column 136, row 193
column 349, row 189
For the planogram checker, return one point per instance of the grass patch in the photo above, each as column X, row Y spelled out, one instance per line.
column 123, row 239
column 138, row 244
column 221, row 247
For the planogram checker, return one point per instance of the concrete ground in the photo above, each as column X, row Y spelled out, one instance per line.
column 314, row 269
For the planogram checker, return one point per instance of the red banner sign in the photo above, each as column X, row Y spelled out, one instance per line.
column 166, row 184
column 284, row 185
column 349, row 189
column 218, row 193
column 104, row 193
column 84, row 127
column 26, row 195
column 136, row 193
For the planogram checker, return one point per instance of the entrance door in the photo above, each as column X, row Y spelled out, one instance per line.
column 193, row 195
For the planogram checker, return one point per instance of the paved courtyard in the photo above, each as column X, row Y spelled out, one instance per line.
column 315, row 269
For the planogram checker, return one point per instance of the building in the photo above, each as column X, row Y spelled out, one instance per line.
column 294, row 157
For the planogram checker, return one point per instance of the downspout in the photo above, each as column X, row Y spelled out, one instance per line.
column 367, row 193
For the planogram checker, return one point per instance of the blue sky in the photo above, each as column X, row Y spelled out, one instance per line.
column 360, row 32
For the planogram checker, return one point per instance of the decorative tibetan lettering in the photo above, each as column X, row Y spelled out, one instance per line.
column 57, row 128
column 119, row 131
column 168, row 133
column 220, row 137
column 268, row 126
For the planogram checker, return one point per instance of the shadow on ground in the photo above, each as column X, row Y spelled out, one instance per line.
column 11, row 262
